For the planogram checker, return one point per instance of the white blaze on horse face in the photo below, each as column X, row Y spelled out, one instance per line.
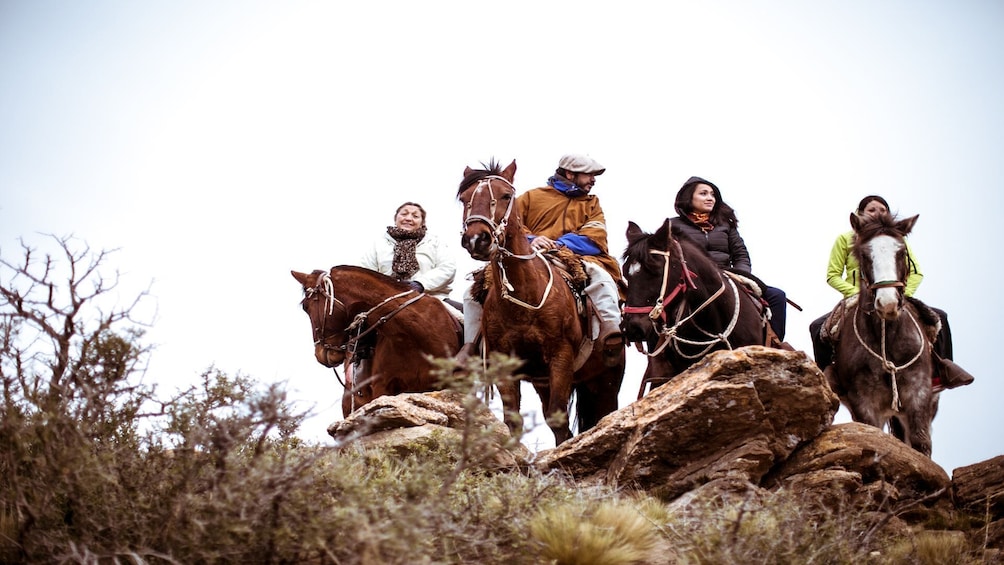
column 883, row 251
column 632, row 268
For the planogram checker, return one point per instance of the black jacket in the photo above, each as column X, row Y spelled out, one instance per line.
column 723, row 244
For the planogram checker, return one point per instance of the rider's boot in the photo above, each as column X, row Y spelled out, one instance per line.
column 468, row 350
column 613, row 345
column 951, row 375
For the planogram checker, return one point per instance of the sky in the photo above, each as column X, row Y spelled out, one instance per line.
column 218, row 145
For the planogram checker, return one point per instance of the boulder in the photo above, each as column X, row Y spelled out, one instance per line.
column 734, row 414
column 402, row 422
column 978, row 490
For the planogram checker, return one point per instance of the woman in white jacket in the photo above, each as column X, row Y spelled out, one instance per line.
column 408, row 253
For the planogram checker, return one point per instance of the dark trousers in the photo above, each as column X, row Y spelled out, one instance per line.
column 776, row 300
column 822, row 351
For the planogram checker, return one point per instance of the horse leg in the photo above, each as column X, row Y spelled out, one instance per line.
column 918, row 413
column 559, row 393
column 509, row 393
column 597, row 396
column 864, row 408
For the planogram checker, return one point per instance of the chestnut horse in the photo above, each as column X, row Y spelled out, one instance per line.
column 682, row 305
column 883, row 365
column 380, row 328
column 531, row 312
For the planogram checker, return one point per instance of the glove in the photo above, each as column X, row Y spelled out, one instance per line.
column 416, row 286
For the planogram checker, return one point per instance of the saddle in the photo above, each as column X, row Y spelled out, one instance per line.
column 755, row 287
column 568, row 265
column 570, row 269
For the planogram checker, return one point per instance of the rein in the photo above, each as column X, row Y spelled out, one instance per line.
column 498, row 237
column 888, row 365
column 326, row 289
column 668, row 335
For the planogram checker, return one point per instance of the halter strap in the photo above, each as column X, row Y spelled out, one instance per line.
column 469, row 218
column 886, row 284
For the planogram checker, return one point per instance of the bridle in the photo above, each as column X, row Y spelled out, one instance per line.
column 882, row 356
column 498, row 240
column 657, row 313
column 358, row 328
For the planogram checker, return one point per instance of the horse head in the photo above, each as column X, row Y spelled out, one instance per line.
column 488, row 197
column 654, row 270
column 880, row 248
column 328, row 317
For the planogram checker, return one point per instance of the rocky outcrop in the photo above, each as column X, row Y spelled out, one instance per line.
column 736, row 414
column 400, row 423
column 979, row 490
column 735, row 424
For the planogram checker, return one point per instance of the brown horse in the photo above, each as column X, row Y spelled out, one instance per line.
column 531, row 312
column 382, row 330
column 682, row 305
column 883, row 365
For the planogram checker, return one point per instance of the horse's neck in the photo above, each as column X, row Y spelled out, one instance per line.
column 360, row 294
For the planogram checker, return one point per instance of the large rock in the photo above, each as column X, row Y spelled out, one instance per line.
column 735, row 414
column 863, row 466
column 978, row 489
column 399, row 423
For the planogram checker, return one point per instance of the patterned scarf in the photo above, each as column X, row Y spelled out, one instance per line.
column 405, row 263
column 702, row 221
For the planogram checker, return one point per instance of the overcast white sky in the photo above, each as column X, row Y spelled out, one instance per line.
column 221, row 144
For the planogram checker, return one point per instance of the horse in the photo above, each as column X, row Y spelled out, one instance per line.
column 381, row 329
column 682, row 305
column 883, row 366
column 531, row 311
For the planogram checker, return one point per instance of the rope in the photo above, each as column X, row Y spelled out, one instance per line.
column 888, row 365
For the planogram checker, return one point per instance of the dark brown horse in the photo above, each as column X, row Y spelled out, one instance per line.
column 682, row 305
column 530, row 311
column 883, row 365
column 380, row 328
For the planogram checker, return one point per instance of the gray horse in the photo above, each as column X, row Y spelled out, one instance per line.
column 883, row 365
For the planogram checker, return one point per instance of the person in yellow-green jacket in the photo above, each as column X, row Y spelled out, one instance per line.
column 842, row 273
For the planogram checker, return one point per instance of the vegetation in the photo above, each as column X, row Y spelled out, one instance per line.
column 97, row 467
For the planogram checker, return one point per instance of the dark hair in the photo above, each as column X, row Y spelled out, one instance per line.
column 416, row 205
column 721, row 214
column 872, row 198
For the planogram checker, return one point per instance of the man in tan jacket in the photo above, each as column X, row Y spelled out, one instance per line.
column 566, row 214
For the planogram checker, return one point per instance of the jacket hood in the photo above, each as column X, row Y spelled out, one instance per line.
column 692, row 181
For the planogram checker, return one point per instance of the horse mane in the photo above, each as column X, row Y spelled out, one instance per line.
column 493, row 168
column 380, row 277
column 638, row 251
column 883, row 224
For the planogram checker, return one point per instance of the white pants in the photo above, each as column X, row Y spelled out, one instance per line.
column 602, row 291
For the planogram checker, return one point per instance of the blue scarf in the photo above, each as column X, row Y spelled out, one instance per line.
column 565, row 187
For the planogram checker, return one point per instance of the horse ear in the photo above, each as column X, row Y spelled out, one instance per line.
column 510, row 172
column 906, row 226
column 663, row 232
column 467, row 171
column 632, row 230
column 855, row 221
column 300, row 277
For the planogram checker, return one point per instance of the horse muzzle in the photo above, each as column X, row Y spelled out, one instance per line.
column 327, row 356
column 480, row 245
column 637, row 328
column 888, row 303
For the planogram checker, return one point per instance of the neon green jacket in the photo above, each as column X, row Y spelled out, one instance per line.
column 842, row 272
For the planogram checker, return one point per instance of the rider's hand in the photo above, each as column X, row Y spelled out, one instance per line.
column 416, row 286
column 541, row 242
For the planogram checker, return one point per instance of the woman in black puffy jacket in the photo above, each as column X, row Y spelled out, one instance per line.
column 711, row 223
